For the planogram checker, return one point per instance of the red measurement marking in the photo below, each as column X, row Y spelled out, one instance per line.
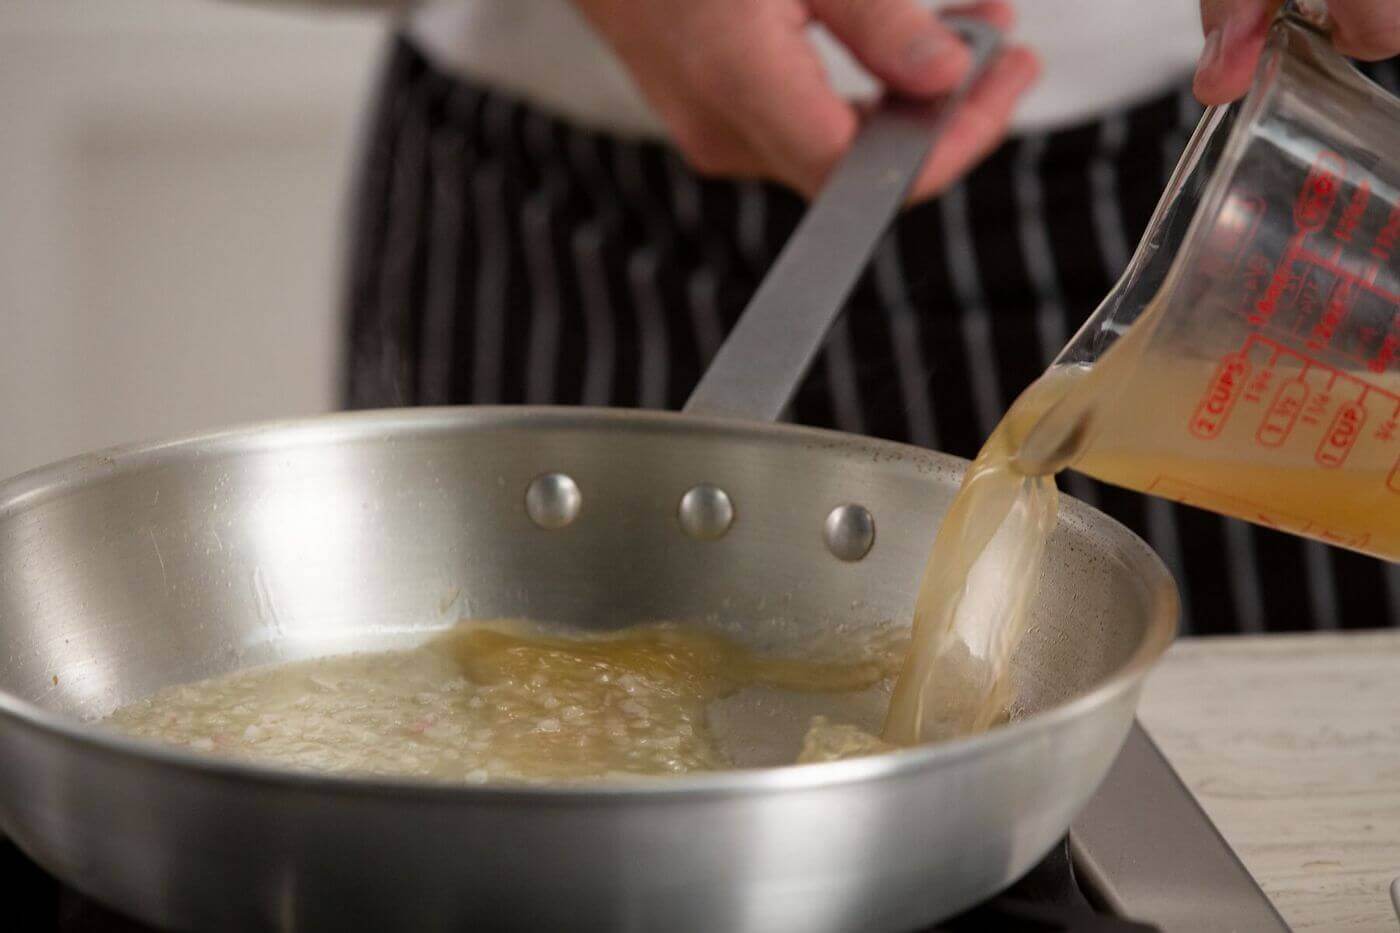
column 1388, row 237
column 1341, row 435
column 1265, row 307
column 1386, row 353
column 1319, row 192
column 1392, row 482
column 1333, row 375
column 1309, row 301
column 1341, row 272
column 1338, row 304
column 1259, row 385
column 1225, row 388
column 1278, row 349
column 1331, row 537
column 1283, row 413
column 1351, row 216
column 1317, row 406
column 1258, row 271
column 1219, row 501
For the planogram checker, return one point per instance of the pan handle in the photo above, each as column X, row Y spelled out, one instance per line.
column 764, row 358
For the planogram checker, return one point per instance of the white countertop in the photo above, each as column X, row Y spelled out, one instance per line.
column 1292, row 745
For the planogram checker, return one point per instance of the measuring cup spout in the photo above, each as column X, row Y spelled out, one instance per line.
column 1056, row 441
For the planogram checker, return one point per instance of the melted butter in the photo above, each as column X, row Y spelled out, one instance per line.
column 507, row 702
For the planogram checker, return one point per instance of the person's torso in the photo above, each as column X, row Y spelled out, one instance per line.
column 1099, row 55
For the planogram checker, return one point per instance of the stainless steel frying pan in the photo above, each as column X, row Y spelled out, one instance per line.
column 124, row 572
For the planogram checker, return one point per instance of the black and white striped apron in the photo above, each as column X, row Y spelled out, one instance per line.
column 502, row 255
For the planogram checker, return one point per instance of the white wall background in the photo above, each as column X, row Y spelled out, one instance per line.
column 172, row 175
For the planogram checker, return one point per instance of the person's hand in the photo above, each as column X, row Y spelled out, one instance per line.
column 743, row 91
column 1235, row 32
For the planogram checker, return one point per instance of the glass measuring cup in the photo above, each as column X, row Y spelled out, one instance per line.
column 1255, row 337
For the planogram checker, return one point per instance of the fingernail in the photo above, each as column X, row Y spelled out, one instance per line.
column 1242, row 25
column 937, row 47
column 924, row 49
column 1027, row 73
column 1210, row 54
column 1246, row 22
column 1016, row 67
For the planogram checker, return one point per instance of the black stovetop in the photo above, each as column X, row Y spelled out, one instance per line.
column 1048, row 900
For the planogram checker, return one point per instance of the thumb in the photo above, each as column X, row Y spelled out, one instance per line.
column 1235, row 32
column 901, row 42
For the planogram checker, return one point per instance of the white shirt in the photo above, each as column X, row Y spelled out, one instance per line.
column 1098, row 55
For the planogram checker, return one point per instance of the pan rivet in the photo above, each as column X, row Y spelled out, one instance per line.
column 849, row 532
column 553, row 500
column 706, row 512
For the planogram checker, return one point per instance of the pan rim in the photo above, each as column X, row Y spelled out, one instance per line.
column 29, row 488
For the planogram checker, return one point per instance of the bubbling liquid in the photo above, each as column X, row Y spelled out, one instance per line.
column 513, row 702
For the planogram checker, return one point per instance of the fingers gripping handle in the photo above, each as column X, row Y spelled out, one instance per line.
column 762, row 362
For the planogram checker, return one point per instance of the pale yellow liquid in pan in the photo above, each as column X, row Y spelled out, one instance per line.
column 507, row 701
